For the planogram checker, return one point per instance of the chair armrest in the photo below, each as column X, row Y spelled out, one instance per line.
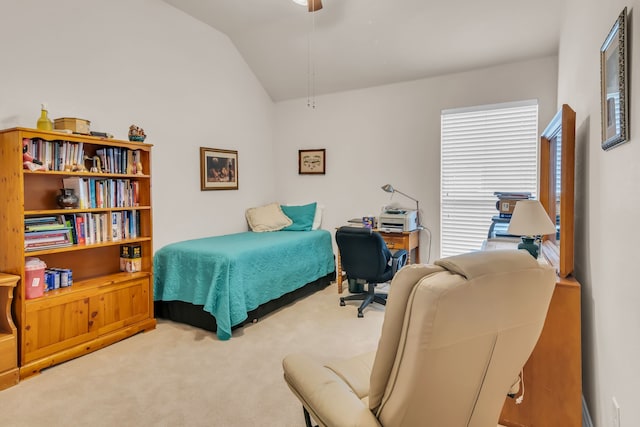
column 398, row 260
column 323, row 393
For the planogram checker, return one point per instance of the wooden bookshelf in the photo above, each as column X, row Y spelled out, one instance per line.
column 104, row 305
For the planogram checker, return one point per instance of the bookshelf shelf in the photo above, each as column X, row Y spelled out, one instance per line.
column 44, row 212
column 86, row 174
column 87, row 247
column 83, row 289
column 104, row 304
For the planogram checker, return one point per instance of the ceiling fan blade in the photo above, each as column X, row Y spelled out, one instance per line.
column 314, row 5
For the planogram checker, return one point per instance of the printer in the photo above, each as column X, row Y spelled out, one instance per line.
column 398, row 220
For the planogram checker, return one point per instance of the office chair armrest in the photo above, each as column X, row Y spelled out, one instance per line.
column 398, row 260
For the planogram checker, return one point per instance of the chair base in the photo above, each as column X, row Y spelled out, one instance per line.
column 366, row 297
column 307, row 418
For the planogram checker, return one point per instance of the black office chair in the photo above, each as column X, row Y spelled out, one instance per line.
column 365, row 259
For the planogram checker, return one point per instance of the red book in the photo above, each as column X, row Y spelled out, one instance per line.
column 80, row 229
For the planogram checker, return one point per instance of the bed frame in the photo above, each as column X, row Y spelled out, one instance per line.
column 194, row 315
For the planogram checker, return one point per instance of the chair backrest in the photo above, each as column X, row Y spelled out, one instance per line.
column 363, row 253
column 455, row 336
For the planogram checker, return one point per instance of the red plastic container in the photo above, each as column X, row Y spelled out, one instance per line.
column 34, row 278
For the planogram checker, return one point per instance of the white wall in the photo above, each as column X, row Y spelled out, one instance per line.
column 607, row 211
column 144, row 62
column 391, row 134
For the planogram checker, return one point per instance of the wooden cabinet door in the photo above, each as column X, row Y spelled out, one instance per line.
column 54, row 325
column 120, row 305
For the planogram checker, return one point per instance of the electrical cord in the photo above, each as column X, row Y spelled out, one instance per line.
column 521, row 397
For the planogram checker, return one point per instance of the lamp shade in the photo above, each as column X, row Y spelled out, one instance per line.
column 530, row 219
column 388, row 188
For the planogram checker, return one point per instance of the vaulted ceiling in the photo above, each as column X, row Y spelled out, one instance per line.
column 353, row 44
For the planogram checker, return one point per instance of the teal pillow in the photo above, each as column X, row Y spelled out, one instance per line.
column 302, row 216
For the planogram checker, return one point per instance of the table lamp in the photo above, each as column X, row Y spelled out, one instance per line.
column 389, row 189
column 530, row 220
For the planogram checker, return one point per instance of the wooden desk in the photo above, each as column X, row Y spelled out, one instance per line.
column 9, row 373
column 407, row 240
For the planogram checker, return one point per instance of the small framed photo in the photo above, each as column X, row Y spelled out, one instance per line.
column 311, row 162
column 613, row 85
column 218, row 169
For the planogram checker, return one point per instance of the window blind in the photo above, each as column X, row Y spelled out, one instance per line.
column 483, row 150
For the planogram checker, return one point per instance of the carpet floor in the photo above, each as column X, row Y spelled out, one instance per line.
column 178, row 375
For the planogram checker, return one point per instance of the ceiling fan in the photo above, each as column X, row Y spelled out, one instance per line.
column 313, row 5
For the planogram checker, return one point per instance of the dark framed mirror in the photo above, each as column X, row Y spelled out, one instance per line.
column 556, row 192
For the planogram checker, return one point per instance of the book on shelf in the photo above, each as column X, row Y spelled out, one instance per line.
column 47, row 246
column 38, row 240
column 45, row 241
column 40, row 219
column 96, row 228
column 32, row 236
column 70, row 222
column 47, row 223
column 45, row 233
column 54, row 224
column 45, row 227
column 116, row 228
column 81, row 229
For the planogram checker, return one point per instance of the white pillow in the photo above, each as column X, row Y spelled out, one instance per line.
column 317, row 219
column 267, row 218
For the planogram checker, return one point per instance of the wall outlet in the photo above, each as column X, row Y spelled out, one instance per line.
column 615, row 413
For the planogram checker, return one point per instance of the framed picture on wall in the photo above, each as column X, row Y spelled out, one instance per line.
column 613, row 85
column 311, row 162
column 218, row 169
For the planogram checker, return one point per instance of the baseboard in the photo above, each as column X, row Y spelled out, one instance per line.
column 9, row 378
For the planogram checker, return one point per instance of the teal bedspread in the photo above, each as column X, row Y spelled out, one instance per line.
column 233, row 274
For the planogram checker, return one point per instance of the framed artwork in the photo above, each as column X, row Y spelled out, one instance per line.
column 613, row 85
column 311, row 162
column 218, row 169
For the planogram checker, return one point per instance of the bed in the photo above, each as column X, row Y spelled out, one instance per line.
column 222, row 282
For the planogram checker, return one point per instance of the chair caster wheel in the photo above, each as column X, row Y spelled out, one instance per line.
column 360, row 314
column 342, row 303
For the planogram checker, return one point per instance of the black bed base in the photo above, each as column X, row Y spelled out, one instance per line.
column 194, row 315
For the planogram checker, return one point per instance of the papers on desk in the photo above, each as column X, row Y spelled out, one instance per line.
column 500, row 243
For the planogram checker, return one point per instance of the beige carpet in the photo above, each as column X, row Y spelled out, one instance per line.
column 178, row 375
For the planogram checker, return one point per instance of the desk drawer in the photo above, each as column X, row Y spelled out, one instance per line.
column 395, row 242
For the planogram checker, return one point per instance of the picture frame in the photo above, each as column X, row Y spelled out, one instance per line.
column 218, row 169
column 312, row 162
column 614, row 85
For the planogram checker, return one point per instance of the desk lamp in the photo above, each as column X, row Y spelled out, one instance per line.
column 530, row 220
column 389, row 189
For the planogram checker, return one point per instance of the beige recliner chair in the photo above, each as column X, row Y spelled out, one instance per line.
column 454, row 338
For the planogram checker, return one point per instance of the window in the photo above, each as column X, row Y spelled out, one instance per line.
column 483, row 149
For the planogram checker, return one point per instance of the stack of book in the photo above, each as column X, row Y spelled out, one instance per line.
column 46, row 232
column 507, row 202
column 104, row 193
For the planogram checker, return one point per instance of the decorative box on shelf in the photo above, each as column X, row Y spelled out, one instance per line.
column 74, row 125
